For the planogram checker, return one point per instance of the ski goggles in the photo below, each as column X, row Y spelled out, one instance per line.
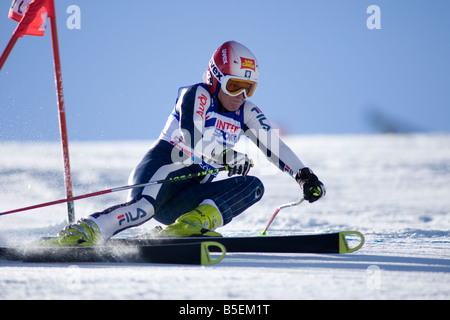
column 234, row 86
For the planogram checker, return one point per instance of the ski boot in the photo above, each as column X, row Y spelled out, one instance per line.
column 83, row 233
column 200, row 222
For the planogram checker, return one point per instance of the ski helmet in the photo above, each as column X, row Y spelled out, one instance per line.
column 233, row 69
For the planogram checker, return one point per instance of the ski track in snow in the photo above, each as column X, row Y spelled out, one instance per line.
column 392, row 188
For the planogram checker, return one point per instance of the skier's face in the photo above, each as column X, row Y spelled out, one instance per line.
column 231, row 103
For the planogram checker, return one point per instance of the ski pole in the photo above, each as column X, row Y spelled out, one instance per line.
column 98, row 193
column 277, row 210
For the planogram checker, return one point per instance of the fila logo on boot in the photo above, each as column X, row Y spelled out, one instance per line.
column 128, row 216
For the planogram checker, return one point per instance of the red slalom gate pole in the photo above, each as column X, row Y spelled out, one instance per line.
column 21, row 30
column 8, row 50
column 62, row 113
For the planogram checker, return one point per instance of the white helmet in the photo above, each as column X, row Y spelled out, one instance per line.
column 233, row 69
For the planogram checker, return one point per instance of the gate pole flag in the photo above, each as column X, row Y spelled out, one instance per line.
column 32, row 17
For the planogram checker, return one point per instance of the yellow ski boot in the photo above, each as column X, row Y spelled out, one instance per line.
column 200, row 222
column 83, row 233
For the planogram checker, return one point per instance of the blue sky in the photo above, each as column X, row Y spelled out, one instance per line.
column 322, row 70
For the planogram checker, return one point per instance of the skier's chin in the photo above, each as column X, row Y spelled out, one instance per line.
column 231, row 103
column 234, row 106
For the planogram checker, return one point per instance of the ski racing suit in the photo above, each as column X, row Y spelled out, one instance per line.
column 199, row 123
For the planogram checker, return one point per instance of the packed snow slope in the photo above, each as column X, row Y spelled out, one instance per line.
column 393, row 188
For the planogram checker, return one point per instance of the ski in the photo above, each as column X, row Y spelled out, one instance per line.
column 192, row 250
column 337, row 242
column 197, row 253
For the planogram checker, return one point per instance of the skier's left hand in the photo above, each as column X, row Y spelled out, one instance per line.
column 313, row 189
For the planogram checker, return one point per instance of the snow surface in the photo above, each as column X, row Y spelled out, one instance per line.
column 393, row 188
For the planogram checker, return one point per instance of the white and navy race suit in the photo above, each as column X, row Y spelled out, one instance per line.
column 201, row 122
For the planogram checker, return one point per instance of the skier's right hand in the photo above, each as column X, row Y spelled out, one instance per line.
column 241, row 164
column 235, row 162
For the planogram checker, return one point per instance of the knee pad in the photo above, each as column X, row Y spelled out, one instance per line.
column 243, row 192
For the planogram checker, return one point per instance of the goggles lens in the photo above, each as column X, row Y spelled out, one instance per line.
column 235, row 86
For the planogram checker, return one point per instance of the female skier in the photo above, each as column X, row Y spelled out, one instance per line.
column 200, row 133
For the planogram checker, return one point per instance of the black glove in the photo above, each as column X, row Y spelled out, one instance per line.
column 313, row 189
column 235, row 162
